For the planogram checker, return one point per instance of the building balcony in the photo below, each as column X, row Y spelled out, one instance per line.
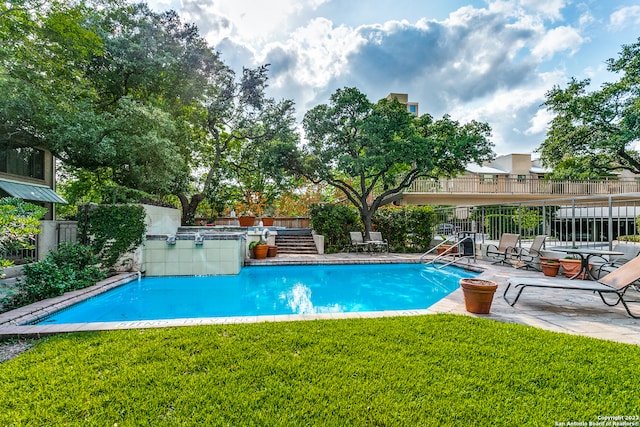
column 476, row 190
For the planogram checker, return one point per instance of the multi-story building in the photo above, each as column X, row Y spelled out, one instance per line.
column 29, row 174
column 403, row 98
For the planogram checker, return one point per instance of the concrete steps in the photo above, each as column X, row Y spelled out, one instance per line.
column 296, row 243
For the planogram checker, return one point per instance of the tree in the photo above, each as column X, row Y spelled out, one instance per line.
column 239, row 118
column 595, row 133
column 372, row 152
column 19, row 224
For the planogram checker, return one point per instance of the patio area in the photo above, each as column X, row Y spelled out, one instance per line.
column 577, row 313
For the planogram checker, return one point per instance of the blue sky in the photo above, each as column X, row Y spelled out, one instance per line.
column 488, row 60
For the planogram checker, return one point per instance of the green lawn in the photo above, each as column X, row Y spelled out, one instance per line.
column 406, row 371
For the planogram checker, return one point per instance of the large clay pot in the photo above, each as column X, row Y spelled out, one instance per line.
column 268, row 221
column 550, row 269
column 260, row 251
column 273, row 251
column 478, row 294
column 246, row 221
column 442, row 248
column 571, row 267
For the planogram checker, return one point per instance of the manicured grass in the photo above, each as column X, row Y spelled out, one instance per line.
column 426, row 370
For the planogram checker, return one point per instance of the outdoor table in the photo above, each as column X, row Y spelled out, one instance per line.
column 585, row 254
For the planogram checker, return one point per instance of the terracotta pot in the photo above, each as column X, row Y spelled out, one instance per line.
column 268, row 221
column 571, row 267
column 246, row 221
column 273, row 251
column 260, row 251
column 550, row 269
column 443, row 248
column 478, row 294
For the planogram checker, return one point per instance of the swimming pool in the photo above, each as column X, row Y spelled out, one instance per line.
column 273, row 290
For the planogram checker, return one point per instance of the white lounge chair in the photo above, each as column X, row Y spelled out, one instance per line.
column 506, row 250
column 377, row 242
column 616, row 283
column 357, row 242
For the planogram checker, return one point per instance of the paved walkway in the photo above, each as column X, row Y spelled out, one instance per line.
column 578, row 313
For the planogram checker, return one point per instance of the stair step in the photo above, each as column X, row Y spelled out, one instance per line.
column 299, row 243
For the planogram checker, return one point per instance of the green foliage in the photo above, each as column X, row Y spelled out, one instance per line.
column 72, row 266
column 528, row 220
column 334, row 222
column 496, row 224
column 437, row 370
column 358, row 147
column 595, row 133
column 19, row 224
column 407, row 229
column 112, row 230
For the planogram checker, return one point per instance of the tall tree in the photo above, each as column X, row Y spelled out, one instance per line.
column 595, row 133
column 372, row 152
column 239, row 117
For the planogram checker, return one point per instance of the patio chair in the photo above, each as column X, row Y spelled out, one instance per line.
column 377, row 242
column 530, row 257
column 357, row 242
column 614, row 261
column 616, row 283
column 506, row 250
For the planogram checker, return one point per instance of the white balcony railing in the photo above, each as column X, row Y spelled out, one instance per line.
column 474, row 185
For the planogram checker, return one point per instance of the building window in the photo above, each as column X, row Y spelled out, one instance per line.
column 27, row 162
column 522, row 178
column 487, row 178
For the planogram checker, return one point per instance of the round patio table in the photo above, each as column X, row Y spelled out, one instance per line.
column 585, row 254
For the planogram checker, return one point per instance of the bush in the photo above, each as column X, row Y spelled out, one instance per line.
column 408, row 229
column 112, row 230
column 334, row 222
column 72, row 266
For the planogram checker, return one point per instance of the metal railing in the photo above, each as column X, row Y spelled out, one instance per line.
column 596, row 221
column 504, row 185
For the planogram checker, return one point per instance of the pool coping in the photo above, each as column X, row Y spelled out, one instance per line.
column 13, row 324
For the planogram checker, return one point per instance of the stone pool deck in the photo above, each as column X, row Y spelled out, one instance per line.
column 571, row 312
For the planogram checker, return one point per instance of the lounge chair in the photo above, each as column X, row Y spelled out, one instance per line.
column 530, row 257
column 616, row 283
column 506, row 250
column 612, row 262
column 377, row 242
column 357, row 242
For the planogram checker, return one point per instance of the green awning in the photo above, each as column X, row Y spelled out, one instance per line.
column 33, row 192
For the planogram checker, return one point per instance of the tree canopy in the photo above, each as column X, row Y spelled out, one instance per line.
column 596, row 133
column 137, row 98
column 372, row 152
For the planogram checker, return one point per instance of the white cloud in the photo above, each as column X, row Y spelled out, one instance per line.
column 547, row 8
column 557, row 40
column 625, row 17
column 319, row 52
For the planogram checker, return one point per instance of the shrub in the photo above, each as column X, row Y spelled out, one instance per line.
column 112, row 230
column 72, row 266
column 334, row 222
column 19, row 222
column 408, row 229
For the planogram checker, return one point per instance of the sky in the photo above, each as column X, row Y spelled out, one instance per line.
column 491, row 61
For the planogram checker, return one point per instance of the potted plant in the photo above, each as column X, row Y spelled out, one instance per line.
column 571, row 265
column 273, row 251
column 449, row 249
column 268, row 218
column 550, row 266
column 259, row 249
column 246, row 219
column 478, row 294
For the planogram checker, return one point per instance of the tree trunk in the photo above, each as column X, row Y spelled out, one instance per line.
column 366, row 218
column 189, row 207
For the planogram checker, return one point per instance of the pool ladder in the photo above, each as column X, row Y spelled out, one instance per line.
column 449, row 256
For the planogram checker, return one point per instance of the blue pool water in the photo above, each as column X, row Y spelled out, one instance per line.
column 269, row 291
